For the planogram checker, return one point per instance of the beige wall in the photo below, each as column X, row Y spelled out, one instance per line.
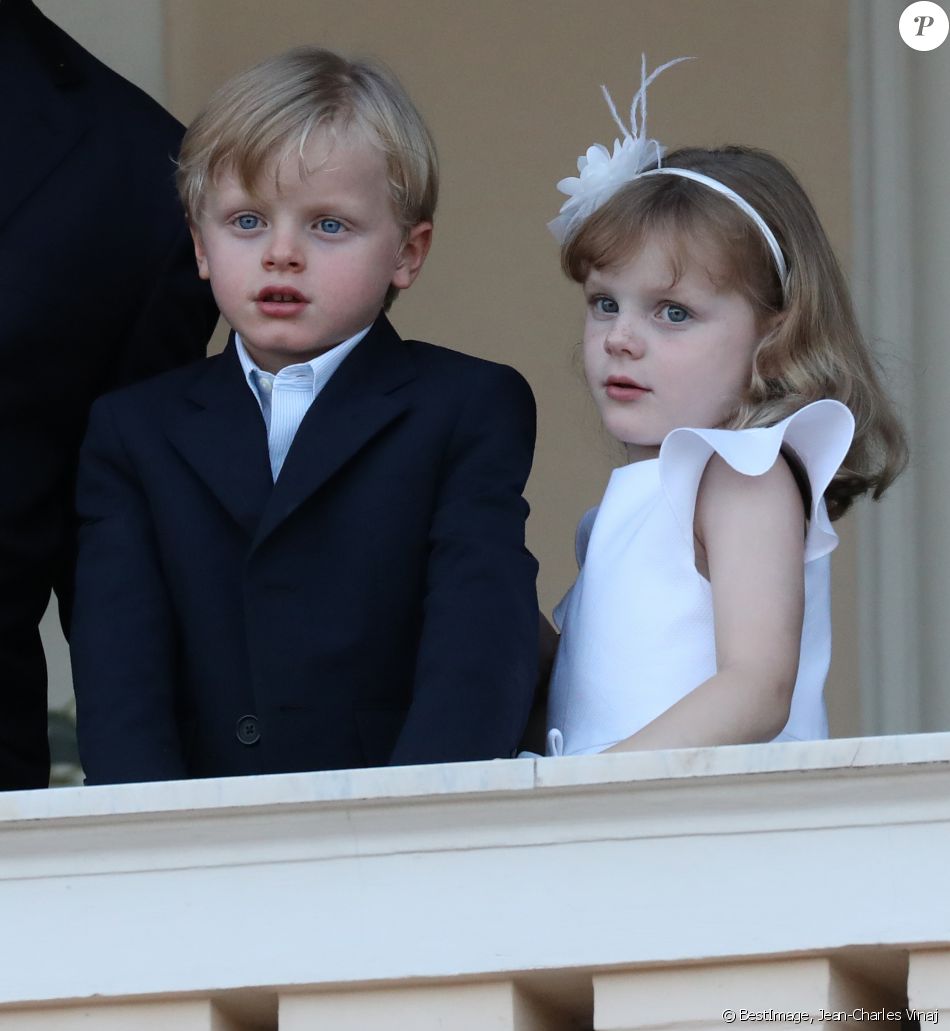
column 510, row 90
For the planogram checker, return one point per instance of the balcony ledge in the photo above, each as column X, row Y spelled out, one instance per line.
column 477, row 871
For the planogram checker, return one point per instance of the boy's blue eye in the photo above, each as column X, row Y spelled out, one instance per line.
column 675, row 313
column 331, row 226
column 606, row 305
column 247, row 221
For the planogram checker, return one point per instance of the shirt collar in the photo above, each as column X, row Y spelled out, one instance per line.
column 319, row 369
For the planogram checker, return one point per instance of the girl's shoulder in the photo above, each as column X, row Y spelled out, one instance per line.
column 816, row 439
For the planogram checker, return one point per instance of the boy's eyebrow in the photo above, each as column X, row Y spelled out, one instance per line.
column 232, row 186
column 236, row 194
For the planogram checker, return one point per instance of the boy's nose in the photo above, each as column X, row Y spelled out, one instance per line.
column 283, row 252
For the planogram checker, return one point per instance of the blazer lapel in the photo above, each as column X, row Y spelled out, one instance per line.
column 361, row 398
column 40, row 117
column 220, row 433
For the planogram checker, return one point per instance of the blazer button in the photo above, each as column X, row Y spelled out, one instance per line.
column 248, row 730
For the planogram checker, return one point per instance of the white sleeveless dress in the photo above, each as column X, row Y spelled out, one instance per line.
column 637, row 626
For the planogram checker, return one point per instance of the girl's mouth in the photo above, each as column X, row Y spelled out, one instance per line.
column 622, row 388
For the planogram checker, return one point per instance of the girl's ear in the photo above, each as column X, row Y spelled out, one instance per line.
column 772, row 322
column 767, row 359
column 412, row 254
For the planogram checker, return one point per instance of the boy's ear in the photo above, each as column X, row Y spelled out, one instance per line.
column 200, row 255
column 411, row 255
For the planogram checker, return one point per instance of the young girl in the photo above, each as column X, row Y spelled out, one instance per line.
column 722, row 350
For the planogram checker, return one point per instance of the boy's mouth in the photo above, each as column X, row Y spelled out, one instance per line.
column 281, row 295
column 281, row 302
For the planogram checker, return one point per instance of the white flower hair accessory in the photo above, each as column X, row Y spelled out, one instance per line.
column 634, row 157
column 601, row 173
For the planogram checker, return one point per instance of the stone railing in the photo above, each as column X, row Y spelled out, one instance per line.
column 672, row 889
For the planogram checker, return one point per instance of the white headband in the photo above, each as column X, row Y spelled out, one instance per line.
column 601, row 174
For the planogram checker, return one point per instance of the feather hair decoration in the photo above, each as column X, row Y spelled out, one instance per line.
column 600, row 172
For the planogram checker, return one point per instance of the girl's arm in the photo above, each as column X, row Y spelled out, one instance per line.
column 750, row 531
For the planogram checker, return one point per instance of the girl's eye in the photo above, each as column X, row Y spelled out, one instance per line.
column 674, row 313
column 247, row 222
column 331, row 226
column 605, row 305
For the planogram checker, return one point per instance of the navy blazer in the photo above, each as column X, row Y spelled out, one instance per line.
column 376, row 605
column 98, row 287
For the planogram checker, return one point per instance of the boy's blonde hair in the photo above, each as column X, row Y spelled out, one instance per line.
column 266, row 114
column 814, row 349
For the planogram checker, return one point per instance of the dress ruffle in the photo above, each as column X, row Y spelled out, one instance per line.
column 819, row 434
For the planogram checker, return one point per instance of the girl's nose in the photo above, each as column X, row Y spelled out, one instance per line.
column 283, row 252
column 624, row 339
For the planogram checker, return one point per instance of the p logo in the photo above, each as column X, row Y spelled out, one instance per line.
column 924, row 25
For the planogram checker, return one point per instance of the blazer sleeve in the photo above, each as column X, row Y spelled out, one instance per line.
column 122, row 637
column 477, row 662
column 173, row 326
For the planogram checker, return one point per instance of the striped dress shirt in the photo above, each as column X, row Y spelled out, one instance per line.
column 285, row 397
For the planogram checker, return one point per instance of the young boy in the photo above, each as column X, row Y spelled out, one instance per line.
column 308, row 552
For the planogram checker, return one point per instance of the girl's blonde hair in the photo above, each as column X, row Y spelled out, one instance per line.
column 268, row 112
column 814, row 348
